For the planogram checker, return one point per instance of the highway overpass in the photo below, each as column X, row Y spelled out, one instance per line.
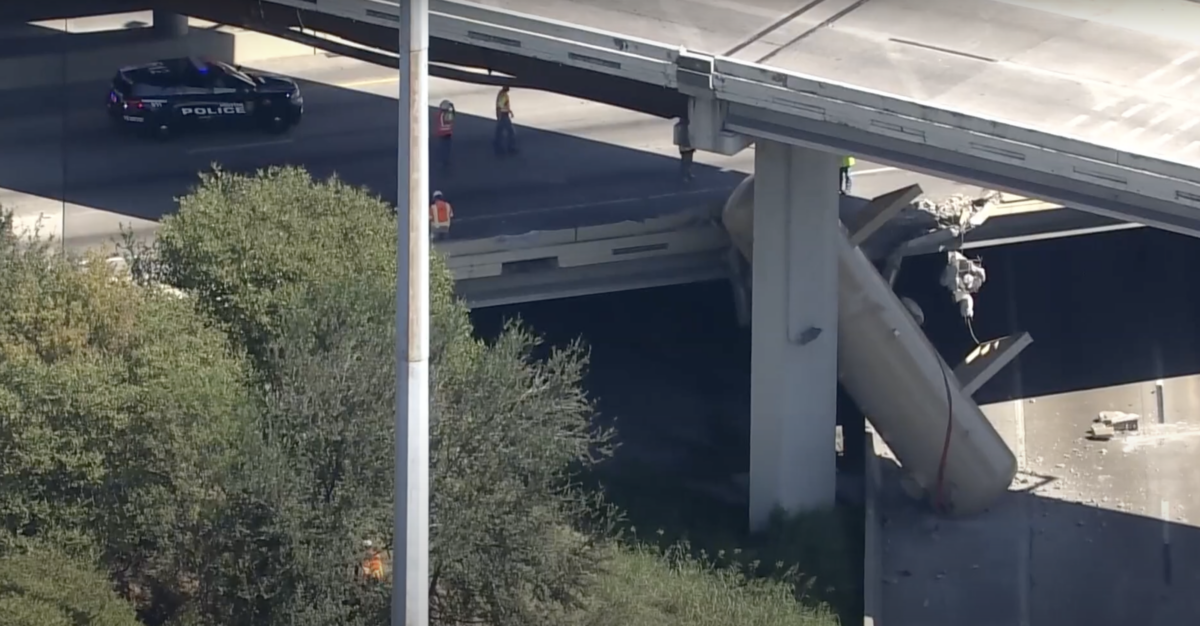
column 734, row 102
column 751, row 92
column 846, row 108
column 593, row 207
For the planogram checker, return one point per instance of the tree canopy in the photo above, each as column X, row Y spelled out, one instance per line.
column 118, row 407
column 51, row 588
column 224, row 449
column 302, row 272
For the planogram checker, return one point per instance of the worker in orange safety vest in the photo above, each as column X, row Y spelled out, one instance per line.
column 440, row 214
column 444, row 131
column 372, row 565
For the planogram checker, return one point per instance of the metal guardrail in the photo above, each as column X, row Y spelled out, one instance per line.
column 1174, row 188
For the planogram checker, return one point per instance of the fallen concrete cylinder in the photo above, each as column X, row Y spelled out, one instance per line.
column 897, row 378
column 912, row 397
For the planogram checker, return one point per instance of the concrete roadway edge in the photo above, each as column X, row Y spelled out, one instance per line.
column 873, row 535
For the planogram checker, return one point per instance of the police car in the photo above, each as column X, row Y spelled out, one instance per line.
column 172, row 96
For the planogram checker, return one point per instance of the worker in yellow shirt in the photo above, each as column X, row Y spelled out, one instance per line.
column 847, row 163
column 440, row 214
column 505, row 140
column 445, row 132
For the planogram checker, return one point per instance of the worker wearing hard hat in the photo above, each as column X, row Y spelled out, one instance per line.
column 505, row 140
column 440, row 214
column 444, row 130
column 372, row 564
column 844, row 173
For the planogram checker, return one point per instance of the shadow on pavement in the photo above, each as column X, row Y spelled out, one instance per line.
column 558, row 181
column 1086, row 544
column 1056, row 561
column 31, row 39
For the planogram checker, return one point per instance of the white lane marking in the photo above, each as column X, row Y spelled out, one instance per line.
column 1134, row 134
column 367, row 82
column 1103, row 128
column 1153, row 76
column 1077, row 120
column 1133, row 110
column 1185, row 58
column 1181, row 82
column 1191, row 147
column 1158, row 119
column 1186, row 126
column 1105, row 104
column 239, row 146
column 877, row 170
column 1161, row 140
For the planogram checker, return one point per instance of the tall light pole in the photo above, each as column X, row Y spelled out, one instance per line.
column 65, row 129
column 410, row 567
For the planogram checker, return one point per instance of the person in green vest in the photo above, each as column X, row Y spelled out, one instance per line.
column 847, row 163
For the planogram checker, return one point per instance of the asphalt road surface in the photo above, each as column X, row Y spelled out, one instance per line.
column 581, row 163
column 1114, row 72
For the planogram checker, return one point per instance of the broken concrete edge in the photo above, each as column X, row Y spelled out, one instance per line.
column 872, row 534
column 232, row 45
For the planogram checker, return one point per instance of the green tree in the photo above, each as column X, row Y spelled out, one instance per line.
column 46, row 587
column 118, row 404
column 302, row 273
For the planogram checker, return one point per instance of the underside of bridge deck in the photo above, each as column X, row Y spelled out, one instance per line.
column 532, row 73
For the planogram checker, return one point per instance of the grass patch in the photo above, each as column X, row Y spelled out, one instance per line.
column 645, row 586
column 816, row 558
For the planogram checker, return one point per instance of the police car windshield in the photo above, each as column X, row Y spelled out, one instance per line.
column 232, row 71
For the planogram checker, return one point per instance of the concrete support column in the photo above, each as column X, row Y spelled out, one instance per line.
column 171, row 25
column 793, row 392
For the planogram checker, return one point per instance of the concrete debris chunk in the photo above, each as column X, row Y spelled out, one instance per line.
column 1119, row 420
column 1108, row 423
column 1101, row 432
column 960, row 211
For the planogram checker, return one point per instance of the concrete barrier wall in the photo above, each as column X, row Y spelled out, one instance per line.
column 112, row 51
column 682, row 233
column 543, row 238
column 583, row 253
